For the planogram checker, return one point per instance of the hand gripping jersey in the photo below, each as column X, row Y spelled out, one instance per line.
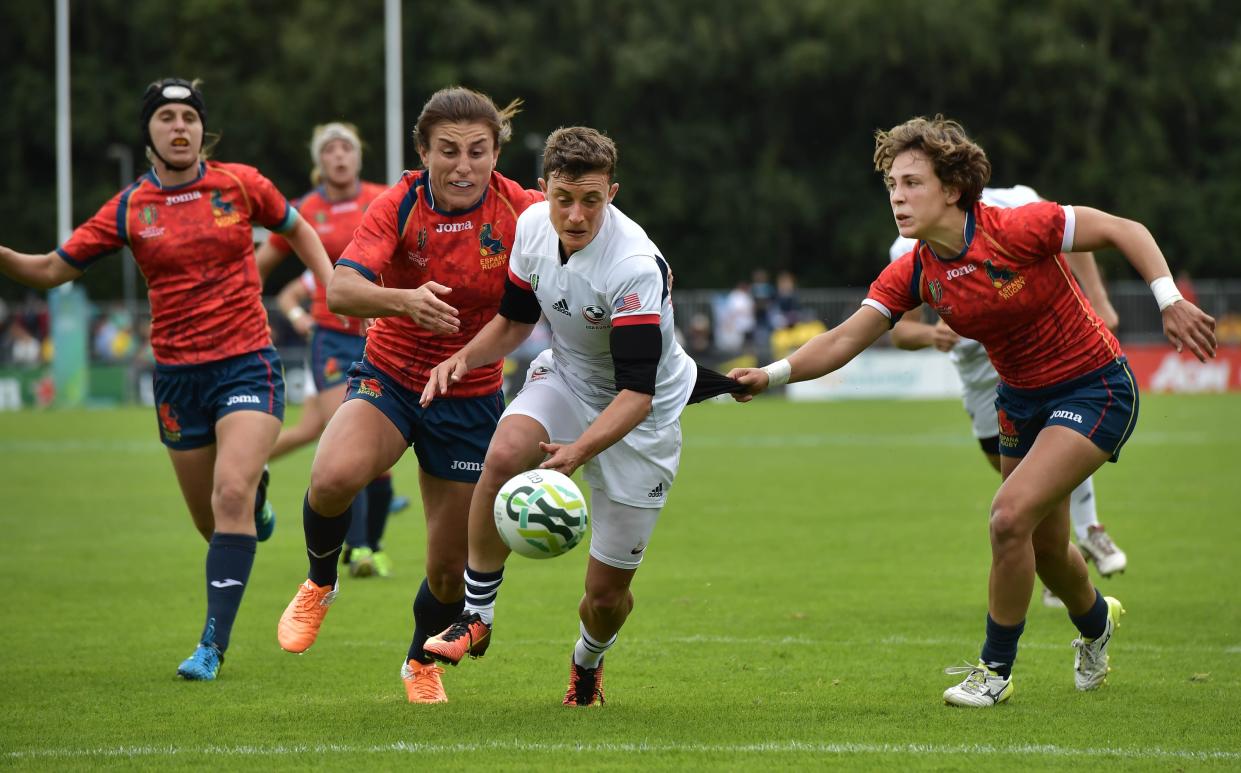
column 195, row 246
column 335, row 222
column 968, row 356
column 405, row 241
column 1011, row 290
column 618, row 279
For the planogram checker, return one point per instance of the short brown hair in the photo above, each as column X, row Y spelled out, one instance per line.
column 573, row 151
column 457, row 104
column 958, row 161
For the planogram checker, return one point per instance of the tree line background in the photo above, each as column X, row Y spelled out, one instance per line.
column 745, row 126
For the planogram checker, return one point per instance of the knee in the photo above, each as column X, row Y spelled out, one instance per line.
column 1051, row 547
column 1011, row 521
column 230, row 494
column 509, row 455
column 332, row 488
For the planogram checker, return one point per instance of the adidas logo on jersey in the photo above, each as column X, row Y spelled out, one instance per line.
column 657, row 492
column 562, row 306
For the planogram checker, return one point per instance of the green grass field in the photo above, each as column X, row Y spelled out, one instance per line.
column 816, row 569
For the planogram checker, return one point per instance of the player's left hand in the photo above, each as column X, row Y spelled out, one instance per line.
column 1187, row 325
column 563, row 458
column 754, row 380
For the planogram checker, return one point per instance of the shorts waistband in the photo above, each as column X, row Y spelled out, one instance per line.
column 1072, row 383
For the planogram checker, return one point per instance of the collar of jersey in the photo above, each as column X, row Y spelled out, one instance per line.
column 968, row 232
column 425, row 182
column 202, row 170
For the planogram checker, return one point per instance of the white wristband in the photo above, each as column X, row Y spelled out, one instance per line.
column 778, row 373
column 1165, row 292
column 295, row 313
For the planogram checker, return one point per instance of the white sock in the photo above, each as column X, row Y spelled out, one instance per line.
column 1082, row 509
column 589, row 652
column 481, row 589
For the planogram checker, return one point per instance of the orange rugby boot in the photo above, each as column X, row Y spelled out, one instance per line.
column 422, row 682
column 468, row 635
column 299, row 625
column 585, row 685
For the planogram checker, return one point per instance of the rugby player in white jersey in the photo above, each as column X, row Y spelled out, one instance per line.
column 979, row 380
column 607, row 395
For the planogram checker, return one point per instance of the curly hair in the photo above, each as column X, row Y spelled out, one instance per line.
column 573, row 151
column 958, row 161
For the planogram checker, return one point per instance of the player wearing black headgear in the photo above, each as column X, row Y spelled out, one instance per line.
column 168, row 91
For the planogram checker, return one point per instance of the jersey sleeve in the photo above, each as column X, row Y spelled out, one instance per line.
column 376, row 239
column 1037, row 231
column 268, row 206
column 518, row 266
column 637, row 288
column 896, row 290
column 103, row 233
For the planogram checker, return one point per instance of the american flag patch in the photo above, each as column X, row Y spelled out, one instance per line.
column 629, row 303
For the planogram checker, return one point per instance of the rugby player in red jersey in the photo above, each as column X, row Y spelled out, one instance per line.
column 429, row 262
column 1067, row 400
column 219, row 386
column 334, row 209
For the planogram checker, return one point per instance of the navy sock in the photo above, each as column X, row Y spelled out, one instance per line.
column 1093, row 623
column 430, row 617
column 229, row 560
column 355, row 537
column 999, row 652
column 324, row 537
column 378, row 500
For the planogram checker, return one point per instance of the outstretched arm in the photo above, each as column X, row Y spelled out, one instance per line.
column 41, row 271
column 820, row 355
column 496, row 340
column 1183, row 323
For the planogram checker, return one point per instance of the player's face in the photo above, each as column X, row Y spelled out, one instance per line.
column 177, row 134
column 577, row 206
column 919, row 200
column 341, row 163
column 459, row 160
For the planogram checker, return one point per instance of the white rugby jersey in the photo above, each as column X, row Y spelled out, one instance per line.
column 618, row 279
column 969, row 356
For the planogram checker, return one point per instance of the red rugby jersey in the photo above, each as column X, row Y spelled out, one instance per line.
column 405, row 241
column 1011, row 289
column 335, row 222
column 195, row 246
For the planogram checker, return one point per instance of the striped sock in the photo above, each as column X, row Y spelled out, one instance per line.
column 480, row 592
column 588, row 651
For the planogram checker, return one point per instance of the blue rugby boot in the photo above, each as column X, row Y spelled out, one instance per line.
column 264, row 513
column 204, row 664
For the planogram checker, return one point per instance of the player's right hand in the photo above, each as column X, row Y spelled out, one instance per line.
column 304, row 325
column 425, row 308
column 443, row 376
column 754, row 380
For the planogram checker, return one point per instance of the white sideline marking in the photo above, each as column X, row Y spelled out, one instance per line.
column 1035, row 750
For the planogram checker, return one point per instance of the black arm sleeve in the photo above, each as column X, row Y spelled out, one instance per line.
column 519, row 305
column 635, row 357
column 711, row 384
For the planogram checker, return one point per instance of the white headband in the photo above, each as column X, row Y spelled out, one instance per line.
column 329, row 132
